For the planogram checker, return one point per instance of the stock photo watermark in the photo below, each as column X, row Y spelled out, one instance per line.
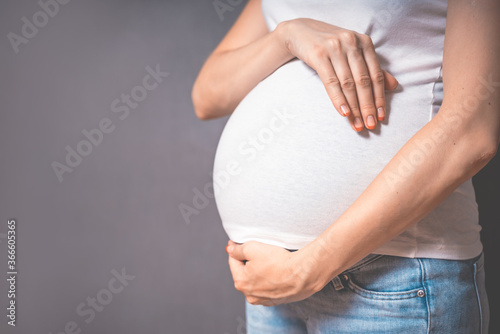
column 248, row 149
column 392, row 9
column 122, row 108
column 88, row 309
column 30, row 27
column 408, row 165
column 222, row 6
column 11, row 237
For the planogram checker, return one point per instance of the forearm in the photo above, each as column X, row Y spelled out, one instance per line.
column 435, row 161
column 446, row 152
column 228, row 76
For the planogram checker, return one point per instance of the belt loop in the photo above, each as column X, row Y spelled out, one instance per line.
column 337, row 283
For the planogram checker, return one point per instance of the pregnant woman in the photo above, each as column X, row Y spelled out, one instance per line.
column 346, row 193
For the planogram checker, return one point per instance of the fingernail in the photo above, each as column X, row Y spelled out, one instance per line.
column 370, row 121
column 380, row 114
column 344, row 109
column 357, row 123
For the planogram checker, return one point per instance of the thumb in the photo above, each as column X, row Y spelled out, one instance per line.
column 236, row 251
column 390, row 81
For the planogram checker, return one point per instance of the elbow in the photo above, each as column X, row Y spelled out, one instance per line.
column 201, row 112
column 484, row 152
column 204, row 104
column 490, row 146
column 489, row 153
column 199, row 109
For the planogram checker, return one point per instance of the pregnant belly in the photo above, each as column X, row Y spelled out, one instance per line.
column 288, row 165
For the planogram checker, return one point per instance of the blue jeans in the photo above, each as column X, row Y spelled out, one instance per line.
column 386, row 294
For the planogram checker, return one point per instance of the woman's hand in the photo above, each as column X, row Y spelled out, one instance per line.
column 346, row 64
column 270, row 275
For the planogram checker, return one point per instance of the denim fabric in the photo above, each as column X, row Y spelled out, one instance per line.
column 387, row 294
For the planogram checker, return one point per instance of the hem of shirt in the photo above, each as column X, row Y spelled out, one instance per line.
column 391, row 248
column 291, row 242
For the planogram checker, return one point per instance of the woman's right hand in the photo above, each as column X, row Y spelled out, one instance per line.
column 346, row 64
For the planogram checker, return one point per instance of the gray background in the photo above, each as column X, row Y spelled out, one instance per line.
column 120, row 207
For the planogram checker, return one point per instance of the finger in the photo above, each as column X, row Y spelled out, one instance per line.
column 348, row 88
column 391, row 82
column 364, row 87
column 381, row 79
column 235, row 264
column 378, row 79
column 326, row 73
column 236, row 267
column 268, row 302
column 255, row 300
column 229, row 243
column 355, row 121
column 237, row 252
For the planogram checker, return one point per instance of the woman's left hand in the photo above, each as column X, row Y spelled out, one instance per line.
column 271, row 275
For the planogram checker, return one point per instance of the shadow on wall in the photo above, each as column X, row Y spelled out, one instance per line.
column 487, row 185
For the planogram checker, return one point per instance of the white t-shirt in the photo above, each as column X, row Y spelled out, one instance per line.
column 288, row 165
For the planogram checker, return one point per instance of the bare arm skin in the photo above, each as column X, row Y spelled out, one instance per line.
column 460, row 140
column 249, row 53
column 246, row 55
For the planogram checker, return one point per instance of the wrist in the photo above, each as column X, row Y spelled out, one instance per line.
column 315, row 265
column 282, row 38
